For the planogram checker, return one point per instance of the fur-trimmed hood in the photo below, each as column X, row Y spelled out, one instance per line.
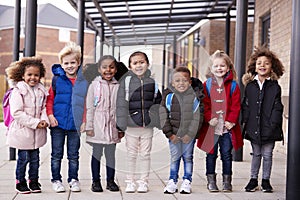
column 248, row 77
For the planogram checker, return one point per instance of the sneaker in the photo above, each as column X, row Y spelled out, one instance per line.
column 266, row 186
column 252, row 185
column 143, row 186
column 22, row 188
column 58, row 186
column 35, row 186
column 74, row 185
column 96, row 186
column 171, row 187
column 130, row 187
column 185, row 187
column 112, row 186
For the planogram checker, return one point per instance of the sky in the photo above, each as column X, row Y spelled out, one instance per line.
column 61, row 4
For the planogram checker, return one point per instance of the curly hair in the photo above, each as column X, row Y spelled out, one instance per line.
column 229, row 63
column 16, row 70
column 277, row 66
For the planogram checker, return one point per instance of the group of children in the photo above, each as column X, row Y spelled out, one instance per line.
column 107, row 109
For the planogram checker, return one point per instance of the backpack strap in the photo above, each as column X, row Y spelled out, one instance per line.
column 156, row 90
column 54, row 79
column 208, row 86
column 127, row 81
column 97, row 93
column 196, row 104
column 169, row 98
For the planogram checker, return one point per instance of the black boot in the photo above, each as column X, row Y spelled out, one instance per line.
column 266, row 186
column 227, row 187
column 96, row 186
column 112, row 186
column 212, row 183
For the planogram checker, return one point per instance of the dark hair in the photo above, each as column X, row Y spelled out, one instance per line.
column 121, row 70
column 18, row 68
column 90, row 71
column 182, row 69
column 277, row 66
column 138, row 53
column 110, row 57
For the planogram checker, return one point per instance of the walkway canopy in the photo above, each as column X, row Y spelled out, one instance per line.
column 151, row 22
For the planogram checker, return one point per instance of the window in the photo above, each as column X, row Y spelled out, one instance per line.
column 265, row 37
column 64, row 35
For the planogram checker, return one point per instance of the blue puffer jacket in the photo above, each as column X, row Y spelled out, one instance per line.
column 62, row 108
column 78, row 97
column 142, row 108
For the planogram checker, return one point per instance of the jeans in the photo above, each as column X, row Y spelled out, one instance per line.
column 186, row 152
column 24, row 157
column 225, row 144
column 109, row 152
column 58, row 136
column 264, row 151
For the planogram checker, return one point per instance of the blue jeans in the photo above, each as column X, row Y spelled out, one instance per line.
column 109, row 152
column 24, row 157
column 225, row 144
column 186, row 152
column 58, row 136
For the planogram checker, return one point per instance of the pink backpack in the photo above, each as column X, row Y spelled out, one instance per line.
column 7, row 118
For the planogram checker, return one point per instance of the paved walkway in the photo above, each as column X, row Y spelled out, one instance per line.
column 158, row 176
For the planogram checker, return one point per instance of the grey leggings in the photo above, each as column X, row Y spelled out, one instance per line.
column 262, row 151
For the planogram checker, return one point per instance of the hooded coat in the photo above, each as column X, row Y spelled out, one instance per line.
column 262, row 111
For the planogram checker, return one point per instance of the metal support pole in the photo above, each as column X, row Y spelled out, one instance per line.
column 80, row 26
column 174, row 52
column 30, row 32
column 240, row 53
column 293, row 158
column 102, row 39
column 227, row 33
column 163, row 67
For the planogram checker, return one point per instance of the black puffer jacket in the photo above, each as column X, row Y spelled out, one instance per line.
column 262, row 111
column 181, row 119
column 142, row 108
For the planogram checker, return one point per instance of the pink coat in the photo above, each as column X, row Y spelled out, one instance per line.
column 27, row 106
column 101, row 111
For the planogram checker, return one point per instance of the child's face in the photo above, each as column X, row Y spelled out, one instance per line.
column 107, row 69
column 138, row 65
column 263, row 66
column 70, row 65
column 181, row 81
column 32, row 75
column 219, row 68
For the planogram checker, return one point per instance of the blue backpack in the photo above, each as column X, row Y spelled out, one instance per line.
column 169, row 98
column 208, row 86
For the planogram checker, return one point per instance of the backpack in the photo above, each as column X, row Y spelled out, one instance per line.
column 7, row 117
column 208, row 86
column 169, row 98
column 127, row 81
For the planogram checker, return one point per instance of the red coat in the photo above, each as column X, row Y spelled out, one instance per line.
column 231, row 107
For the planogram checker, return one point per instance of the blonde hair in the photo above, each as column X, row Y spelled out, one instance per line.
column 70, row 48
column 229, row 63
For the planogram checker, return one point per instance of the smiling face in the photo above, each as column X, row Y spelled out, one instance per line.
column 32, row 75
column 107, row 69
column 263, row 67
column 138, row 64
column 219, row 68
column 181, row 81
column 70, row 65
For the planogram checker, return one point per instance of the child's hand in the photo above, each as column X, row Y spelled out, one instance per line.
column 90, row 133
column 121, row 134
column 186, row 139
column 42, row 124
column 174, row 139
column 213, row 121
column 82, row 127
column 229, row 125
column 53, row 121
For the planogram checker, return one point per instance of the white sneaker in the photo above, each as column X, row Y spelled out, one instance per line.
column 143, row 186
column 58, row 186
column 185, row 187
column 130, row 187
column 74, row 185
column 171, row 187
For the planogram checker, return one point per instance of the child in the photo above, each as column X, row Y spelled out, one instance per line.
column 221, row 114
column 28, row 132
column 59, row 111
column 137, row 115
column 181, row 117
column 262, row 113
column 101, row 130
